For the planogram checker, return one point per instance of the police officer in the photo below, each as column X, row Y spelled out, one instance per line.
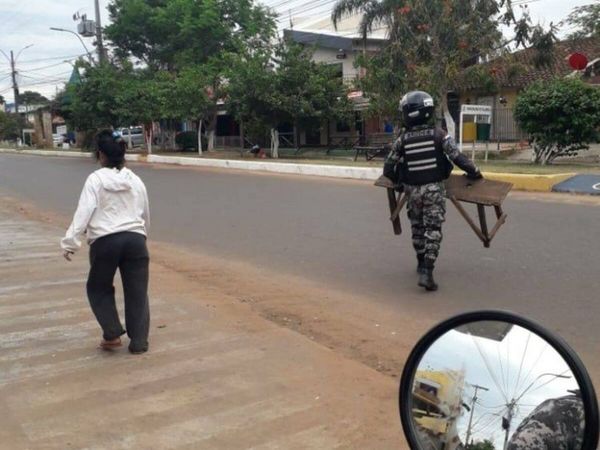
column 421, row 157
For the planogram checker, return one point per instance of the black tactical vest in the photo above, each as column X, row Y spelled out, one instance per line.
column 424, row 158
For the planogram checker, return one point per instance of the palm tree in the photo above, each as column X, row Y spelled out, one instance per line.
column 431, row 41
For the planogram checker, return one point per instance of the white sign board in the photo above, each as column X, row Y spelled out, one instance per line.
column 476, row 110
column 62, row 129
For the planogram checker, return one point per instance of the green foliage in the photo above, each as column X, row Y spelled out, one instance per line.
column 562, row 117
column 188, row 140
column 61, row 104
column 93, row 101
column 10, row 125
column 586, row 20
column 480, row 76
column 32, row 98
column 264, row 92
column 172, row 34
column 432, row 41
column 484, row 445
column 140, row 97
column 194, row 92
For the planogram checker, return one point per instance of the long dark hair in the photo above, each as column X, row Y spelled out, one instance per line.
column 113, row 150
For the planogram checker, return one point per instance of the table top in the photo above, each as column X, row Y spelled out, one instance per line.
column 482, row 192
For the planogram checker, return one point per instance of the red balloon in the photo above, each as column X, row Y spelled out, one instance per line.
column 578, row 61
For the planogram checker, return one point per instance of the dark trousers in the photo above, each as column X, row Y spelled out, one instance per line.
column 128, row 253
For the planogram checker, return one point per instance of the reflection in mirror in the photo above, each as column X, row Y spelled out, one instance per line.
column 492, row 386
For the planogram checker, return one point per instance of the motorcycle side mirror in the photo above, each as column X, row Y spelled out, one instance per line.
column 496, row 381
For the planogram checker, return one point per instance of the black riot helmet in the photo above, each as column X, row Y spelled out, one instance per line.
column 417, row 108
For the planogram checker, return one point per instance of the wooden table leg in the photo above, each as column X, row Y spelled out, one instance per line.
column 501, row 221
column 393, row 202
column 466, row 216
column 483, row 223
column 403, row 199
column 499, row 212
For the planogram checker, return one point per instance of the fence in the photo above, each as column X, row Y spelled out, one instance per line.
column 505, row 127
column 228, row 142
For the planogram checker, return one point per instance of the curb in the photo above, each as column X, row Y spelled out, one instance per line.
column 47, row 153
column 531, row 183
column 356, row 173
column 521, row 182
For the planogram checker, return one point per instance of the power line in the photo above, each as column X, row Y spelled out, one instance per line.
column 54, row 58
column 42, row 76
column 521, row 365
column 37, row 69
column 322, row 4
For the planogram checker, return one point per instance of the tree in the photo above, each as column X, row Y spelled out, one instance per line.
column 586, row 20
column 483, row 445
column 190, row 39
column 92, row 102
column 430, row 42
column 266, row 90
column 562, row 117
column 10, row 125
column 193, row 99
column 31, row 98
column 141, row 99
column 172, row 34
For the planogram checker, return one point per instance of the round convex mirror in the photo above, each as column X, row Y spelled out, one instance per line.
column 493, row 381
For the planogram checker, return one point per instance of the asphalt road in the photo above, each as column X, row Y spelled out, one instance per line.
column 543, row 263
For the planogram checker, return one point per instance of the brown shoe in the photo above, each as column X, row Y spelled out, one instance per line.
column 110, row 345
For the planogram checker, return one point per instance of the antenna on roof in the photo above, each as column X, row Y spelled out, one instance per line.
column 291, row 22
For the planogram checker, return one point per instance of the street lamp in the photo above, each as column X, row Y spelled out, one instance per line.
column 18, row 54
column 21, row 51
column 80, row 40
column 537, row 378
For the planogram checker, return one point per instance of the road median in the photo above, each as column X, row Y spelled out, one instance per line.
column 521, row 182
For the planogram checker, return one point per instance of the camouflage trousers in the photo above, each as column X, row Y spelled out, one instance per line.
column 427, row 213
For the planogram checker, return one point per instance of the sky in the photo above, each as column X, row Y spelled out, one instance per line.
column 42, row 67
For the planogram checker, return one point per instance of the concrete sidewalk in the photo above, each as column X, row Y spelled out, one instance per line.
column 217, row 376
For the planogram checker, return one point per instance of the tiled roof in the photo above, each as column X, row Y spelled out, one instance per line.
column 527, row 73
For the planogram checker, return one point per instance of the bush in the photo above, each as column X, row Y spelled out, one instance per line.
column 561, row 116
column 9, row 126
column 188, row 140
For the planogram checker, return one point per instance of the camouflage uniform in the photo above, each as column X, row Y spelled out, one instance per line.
column 426, row 212
column 426, row 205
column 557, row 424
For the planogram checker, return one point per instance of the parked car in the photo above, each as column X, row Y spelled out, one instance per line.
column 137, row 136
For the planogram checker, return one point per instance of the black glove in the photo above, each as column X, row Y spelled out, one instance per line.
column 474, row 175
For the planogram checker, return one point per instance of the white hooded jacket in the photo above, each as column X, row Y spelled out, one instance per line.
column 112, row 201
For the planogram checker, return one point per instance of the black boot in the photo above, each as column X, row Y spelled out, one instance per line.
column 426, row 278
column 421, row 264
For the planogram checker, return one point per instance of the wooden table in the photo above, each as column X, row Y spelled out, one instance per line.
column 483, row 193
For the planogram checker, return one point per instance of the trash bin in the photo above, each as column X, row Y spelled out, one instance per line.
column 483, row 132
column 469, row 132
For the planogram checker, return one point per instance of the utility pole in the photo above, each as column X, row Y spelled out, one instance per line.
column 99, row 43
column 473, row 403
column 14, row 81
column 507, row 421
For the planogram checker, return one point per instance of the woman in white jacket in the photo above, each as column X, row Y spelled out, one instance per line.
column 113, row 213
